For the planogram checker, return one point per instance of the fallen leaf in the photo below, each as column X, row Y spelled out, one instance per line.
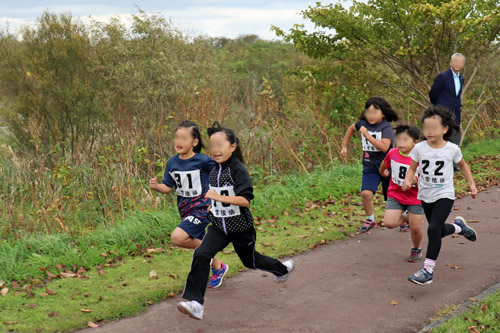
column 50, row 275
column 10, row 322
column 92, row 324
column 394, row 303
column 484, row 306
column 302, row 236
column 153, row 275
column 472, row 299
column 149, row 302
column 50, row 292
column 4, row 291
column 43, row 294
column 67, row 275
column 474, row 221
column 156, row 250
column 86, row 310
column 170, row 294
column 320, row 230
column 473, row 329
column 53, row 314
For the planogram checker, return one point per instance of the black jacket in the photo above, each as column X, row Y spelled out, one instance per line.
column 443, row 93
column 231, row 178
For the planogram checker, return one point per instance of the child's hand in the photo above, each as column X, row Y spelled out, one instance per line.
column 211, row 194
column 386, row 173
column 343, row 151
column 473, row 191
column 415, row 179
column 406, row 185
column 363, row 130
column 153, row 183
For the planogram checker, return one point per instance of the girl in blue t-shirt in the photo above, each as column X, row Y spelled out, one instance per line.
column 188, row 173
column 377, row 138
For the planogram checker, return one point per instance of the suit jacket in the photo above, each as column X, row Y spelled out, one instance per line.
column 443, row 93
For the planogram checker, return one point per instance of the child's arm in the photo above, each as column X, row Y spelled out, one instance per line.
column 348, row 135
column 464, row 167
column 162, row 188
column 236, row 200
column 383, row 170
column 409, row 175
column 382, row 145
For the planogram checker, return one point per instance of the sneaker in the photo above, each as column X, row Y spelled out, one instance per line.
column 217, row 276
column 290, row 265
column 467, row 231
column 421, row 277
column 369, row 225
column 404, row 227
column 415, row 255
column 192, row 309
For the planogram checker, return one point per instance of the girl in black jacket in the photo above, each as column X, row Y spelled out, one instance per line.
column 231, row 192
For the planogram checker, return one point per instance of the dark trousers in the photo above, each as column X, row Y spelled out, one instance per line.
column 456, row 140
column 436, row 214
column 216, row 240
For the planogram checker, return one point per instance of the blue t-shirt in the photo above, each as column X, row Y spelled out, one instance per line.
column 372, row 156
column 190, row 178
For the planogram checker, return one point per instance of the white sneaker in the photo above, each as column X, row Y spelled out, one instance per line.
column 290, row 265
column 192, row 309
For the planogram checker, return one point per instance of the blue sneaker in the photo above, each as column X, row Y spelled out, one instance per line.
column 421, row 277
column 217, row 276
column 467, row 231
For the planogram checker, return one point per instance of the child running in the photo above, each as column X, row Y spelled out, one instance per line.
column 377, row 138
column 399, row 201
column 188, row 173
column 231, row 192
column 435, row 158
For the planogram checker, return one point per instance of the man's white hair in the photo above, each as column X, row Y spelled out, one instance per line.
column 457, row 55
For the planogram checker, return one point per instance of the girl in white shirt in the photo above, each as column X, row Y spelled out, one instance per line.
column 435, row 158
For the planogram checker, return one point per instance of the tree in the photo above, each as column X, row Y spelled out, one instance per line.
column 410, row 40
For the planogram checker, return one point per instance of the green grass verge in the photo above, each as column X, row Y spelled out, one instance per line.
column 484, row 317
column 292, row 216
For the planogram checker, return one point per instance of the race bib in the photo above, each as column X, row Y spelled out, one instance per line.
column 436, row 172
column 220, row 209
column 367, row 145
column 187, row 183
column 398, row 172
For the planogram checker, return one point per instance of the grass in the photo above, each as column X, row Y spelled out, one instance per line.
column 294, row 215
column 484, row 317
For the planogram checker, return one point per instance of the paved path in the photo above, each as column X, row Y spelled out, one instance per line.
column 347, row 286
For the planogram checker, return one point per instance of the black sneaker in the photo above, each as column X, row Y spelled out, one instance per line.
column 467, row 231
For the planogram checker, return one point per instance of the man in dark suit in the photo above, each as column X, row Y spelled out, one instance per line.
column 447, row 90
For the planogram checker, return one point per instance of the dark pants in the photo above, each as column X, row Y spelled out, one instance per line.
column 216, row 240
column 456, row 140
column 436, row 214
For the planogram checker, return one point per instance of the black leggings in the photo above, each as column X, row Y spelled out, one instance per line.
column 436, row 213
column 216, row 240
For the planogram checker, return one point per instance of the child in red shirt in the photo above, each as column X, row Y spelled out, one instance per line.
column 399, row 201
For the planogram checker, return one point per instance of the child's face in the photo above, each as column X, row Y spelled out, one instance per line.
column 434, row 129
column 404, row 142
column 220, row 148
column 373, row 115
column 183, row 140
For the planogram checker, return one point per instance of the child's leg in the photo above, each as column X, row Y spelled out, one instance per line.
column 416, row 229
column 437, row 213
column 367, row 198
column 214, row 241
column 393, row 218
column 244, row 245
column 181, row 238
